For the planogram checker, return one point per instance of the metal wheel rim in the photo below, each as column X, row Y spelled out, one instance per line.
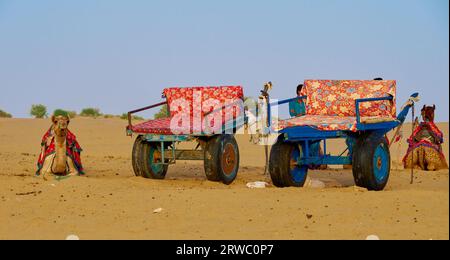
column 381, row 163
column 297, row 172
column 229, row 159
column 155, row 157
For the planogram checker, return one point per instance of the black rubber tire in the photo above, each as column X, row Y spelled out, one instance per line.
column 280, row 165
column 148, row 171
column 363, row 162
column 216, row 168
column 358, row 175
column 274, row 169
column 135, row 156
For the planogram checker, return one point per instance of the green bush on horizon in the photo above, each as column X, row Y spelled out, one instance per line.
column 71, row 114
column 107, row 116
column 163, row 113
column 38, row 111
column 90, row 112
column 125, row 117
column 4, row 114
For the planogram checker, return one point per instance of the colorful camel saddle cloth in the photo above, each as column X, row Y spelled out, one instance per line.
column 427, row 134
column 73, row 150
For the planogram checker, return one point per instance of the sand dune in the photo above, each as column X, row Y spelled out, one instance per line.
column 110, row 203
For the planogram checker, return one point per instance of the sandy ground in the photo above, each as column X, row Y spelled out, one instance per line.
column 110, row 203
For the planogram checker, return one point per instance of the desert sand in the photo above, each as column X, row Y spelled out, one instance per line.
column 111, row 203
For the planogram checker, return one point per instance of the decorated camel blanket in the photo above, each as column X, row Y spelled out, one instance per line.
column 426, row 135
column 73, row 150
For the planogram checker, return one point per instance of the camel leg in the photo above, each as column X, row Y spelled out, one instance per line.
column 72, row 169
column 417, row 166
column 421, row 155
column 413, row 160
column 47, row 167
column 407, row 163
column 431, row 167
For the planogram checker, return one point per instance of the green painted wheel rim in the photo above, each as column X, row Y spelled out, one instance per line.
column 154, row 159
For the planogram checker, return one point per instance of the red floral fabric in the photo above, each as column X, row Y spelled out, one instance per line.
column 157, row 126
column 199, row 95
column 337, row 97
column 73, row 150
column 184, row 103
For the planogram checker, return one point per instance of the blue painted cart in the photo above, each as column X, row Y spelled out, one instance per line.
column 367, row 146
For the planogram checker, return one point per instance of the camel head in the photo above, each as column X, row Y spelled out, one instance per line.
column 60, row 124
column 428, row 113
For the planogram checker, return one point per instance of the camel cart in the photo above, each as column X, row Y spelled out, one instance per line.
column 155, row 147
column 362, row 112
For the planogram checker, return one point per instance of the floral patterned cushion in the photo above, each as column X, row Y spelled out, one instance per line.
column 337, row 97
column 192, row 101
column 200, row 95
column 157, row 126
column 204, row 100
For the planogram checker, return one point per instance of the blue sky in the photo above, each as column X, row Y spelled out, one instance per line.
column 119, row 55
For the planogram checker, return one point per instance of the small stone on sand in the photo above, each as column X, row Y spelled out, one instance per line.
column 72, row 237
column 373, row 237
column 314, row 183
column 158, row 210
column 257, row 185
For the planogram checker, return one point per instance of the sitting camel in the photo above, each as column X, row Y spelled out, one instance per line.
column 60, row 152
column 425, row 145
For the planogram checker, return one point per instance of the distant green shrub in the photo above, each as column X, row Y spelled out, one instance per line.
column 90, row 112
column 60, row 112
column 3, row 114
column 38, row 111
column 125, row 117
column 163, row 113
column 107, row 116
column 72, row 114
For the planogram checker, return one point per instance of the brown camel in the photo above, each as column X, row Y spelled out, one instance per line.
column 58, row 163
column 425, row 145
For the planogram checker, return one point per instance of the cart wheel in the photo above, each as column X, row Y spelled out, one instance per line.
column 371, row 163
column 135, row 156
column 150, row 159
column 222, row 159
column 283, row 167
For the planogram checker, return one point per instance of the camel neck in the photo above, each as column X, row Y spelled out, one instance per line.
column 59, row 165
column 60, row 139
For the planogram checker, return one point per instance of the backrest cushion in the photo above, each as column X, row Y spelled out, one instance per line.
column 195, row 99
column 337, row 97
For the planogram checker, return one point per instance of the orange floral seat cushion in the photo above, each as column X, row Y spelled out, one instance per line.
column 330, row 104
column 337, row 97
